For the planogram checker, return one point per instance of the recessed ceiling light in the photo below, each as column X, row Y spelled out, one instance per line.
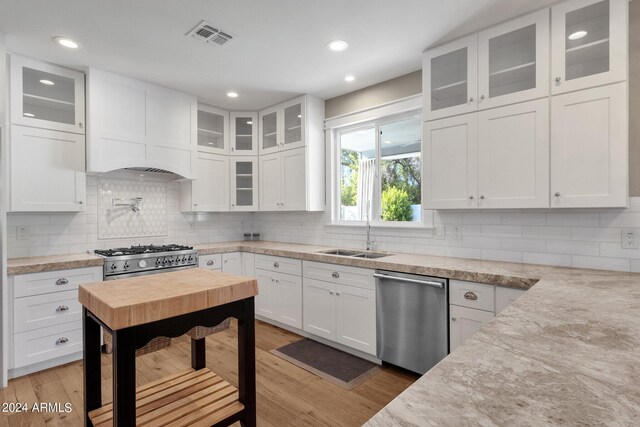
column 66, row 42
column 349, row 78
column 387, row 142
column 337, row 45
column 249, row 122
column 47, row 82
column 232, row 94
column 577, row 35
column 28, row 115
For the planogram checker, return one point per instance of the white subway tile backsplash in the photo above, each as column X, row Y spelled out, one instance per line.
column 546, row 232
column 523, row 218
column 597, row 234
column 601, row 263
column 561, row 260
column 502, row 230
column 497, row 255
column 584, row 219
column 526, row 245
column 481, row 218
column 481, row 242
column 620, row 219
column 573, row 247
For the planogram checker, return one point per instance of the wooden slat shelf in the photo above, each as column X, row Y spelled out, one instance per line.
column 188, row 398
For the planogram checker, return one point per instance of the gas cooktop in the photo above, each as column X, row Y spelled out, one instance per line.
column 142, row 249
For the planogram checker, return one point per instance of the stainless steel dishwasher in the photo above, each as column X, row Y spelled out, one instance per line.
column 412, row 320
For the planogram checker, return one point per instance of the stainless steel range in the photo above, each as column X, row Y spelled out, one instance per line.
column 141, row 260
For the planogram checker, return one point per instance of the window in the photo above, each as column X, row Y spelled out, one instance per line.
column 379, row 169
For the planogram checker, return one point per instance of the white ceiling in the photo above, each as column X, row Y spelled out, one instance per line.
column 279, row 50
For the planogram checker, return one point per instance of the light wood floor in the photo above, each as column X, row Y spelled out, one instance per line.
column 286, row 395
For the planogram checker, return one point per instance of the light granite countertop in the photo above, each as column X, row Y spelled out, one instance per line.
column 565, row 353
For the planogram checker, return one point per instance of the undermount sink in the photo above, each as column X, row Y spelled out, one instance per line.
column 354, row 254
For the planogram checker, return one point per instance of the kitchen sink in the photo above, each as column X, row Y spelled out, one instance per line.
column 354, row 254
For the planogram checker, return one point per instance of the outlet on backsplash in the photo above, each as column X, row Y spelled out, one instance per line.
column 629, row 238
column 22, row 233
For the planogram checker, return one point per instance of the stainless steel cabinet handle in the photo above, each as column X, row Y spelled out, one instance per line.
column 335, row 275
column 62, row 281
column 558, row 79
column 482, row 97
column 482, row 197
column 276, row 265
column 62, row 340
column 453, row 319
column 330, row 292
column 210, row 262
column 62, row 308
column 557, row 194
column 80, row 202
column 471, row 99
column 80, row 125
column 337, row 294
column 470, row 197
column 470, row 296
column 195, row 204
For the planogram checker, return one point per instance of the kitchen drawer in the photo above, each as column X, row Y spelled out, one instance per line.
column 210, row 262
column 471, row 294
column 279, row 264
column 340, row 274
column 40, row 311
column 54, row 281
column 46, row 344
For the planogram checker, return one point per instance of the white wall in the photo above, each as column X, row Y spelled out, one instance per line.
column 578, row 238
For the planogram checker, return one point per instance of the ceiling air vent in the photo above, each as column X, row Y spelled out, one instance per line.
column 207, row 33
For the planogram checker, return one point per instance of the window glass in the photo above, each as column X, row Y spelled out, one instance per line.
column 357, row 173
column 400, row 171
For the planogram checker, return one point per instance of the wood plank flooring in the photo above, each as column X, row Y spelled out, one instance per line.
column 286, row 395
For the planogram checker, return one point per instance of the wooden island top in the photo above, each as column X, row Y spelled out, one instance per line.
column 139, row 300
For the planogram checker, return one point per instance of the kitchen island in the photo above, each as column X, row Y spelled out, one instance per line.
column 139, row 309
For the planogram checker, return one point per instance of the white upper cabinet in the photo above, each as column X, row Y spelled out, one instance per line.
column 285, row 183
column 513, row 156
column 292, row 124
column 210, row 191
column 244, row 133
column 589, row 44
column 244, row 183
column 137, row 124
column 47, row 171
column 513, row 61
column 46, row 96
column 449, row 79
column 450, row 151
column 589, row 148
column 213, row 130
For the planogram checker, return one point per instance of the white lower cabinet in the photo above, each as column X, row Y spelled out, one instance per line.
column 248, row 264
column 338, row 309
column 464, row 322
column 232, row 263
column 46, row 318
column 505, row 296
column 279, row 297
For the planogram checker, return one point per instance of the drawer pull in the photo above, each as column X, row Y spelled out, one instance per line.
column 62, row 308
column 335, row 275
column 276, row 265
column 62, row 340
column 210, row 262
column 471, row 296
column 62, row 281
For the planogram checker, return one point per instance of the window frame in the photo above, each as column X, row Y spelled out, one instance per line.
column 335, row 174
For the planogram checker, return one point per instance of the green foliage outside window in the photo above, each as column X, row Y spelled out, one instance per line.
column 396, row 205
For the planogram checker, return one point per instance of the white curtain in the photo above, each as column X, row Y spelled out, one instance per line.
column 366, row 182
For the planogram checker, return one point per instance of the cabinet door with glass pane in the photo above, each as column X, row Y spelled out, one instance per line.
column 449, row 79
column 46, row 96
column 513, row 61
column 269, row 131
column 244, row 183
column 213, row 130
column 293, row 116
column 244, row 133
column 588, row 44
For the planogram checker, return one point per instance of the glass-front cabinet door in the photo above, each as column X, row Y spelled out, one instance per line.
column 449, row 79
column 244, row 133
column 588, row 44
column 213, row 133
column 293, row 116
column 513, row 61
column 244, row 183
column 46, row 96
column 269, row 138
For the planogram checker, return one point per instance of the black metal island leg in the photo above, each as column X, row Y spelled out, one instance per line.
column 92, row 383
column 124, row 378
column 247, row 363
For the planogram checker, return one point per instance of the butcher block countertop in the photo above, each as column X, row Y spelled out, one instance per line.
column 138, row 300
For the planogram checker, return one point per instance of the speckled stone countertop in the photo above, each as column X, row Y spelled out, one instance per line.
column 565, row 353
